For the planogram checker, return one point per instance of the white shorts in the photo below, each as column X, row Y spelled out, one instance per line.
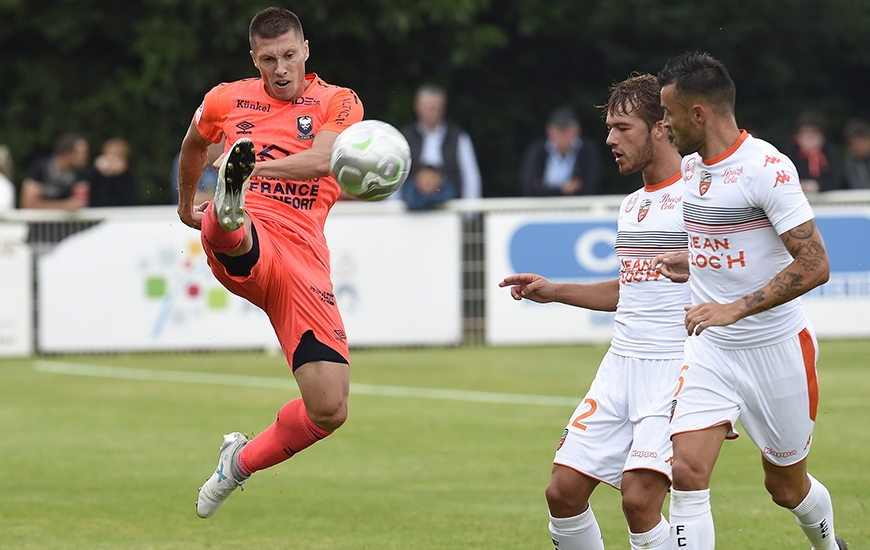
column 772, row 389
column 622, row 423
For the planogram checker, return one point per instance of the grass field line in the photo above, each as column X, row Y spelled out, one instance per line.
column 78, row 369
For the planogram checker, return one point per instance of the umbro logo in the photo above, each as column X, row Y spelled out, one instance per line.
column 244, row 127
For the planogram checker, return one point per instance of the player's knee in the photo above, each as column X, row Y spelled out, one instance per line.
column 329, row 416
column 561, row 502
column 787, row 495
column 689, row 477
column 637, row 506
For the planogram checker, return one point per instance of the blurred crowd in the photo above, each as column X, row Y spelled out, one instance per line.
column 559, row 162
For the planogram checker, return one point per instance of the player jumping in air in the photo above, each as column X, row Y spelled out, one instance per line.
column 619, row 433
column 263, row 233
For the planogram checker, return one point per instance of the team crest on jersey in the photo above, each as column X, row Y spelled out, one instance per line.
column 644, row 209
column 706, row 180
column 562, row 441
column 303, row 124
column 198, row 114
column 690, row 169
column 630, row 204
column 673, row 409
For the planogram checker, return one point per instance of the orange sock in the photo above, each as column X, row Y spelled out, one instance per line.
column 218, row 238
column 291, row 432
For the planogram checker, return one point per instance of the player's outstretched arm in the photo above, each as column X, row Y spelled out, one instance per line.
column 673, row 265
column 809, row 269
column 602, row 296
column 304, row 165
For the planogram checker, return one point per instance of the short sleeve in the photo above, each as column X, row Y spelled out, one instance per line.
column 344, row 109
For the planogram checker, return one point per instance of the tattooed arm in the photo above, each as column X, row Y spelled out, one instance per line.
column 808, row 269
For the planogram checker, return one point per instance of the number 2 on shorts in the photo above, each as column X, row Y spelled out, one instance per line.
column 593, row 406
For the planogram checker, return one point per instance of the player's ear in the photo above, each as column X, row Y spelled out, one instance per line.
column 658, row 129
column 305, row 48
column 699, row 112
column 254, row 59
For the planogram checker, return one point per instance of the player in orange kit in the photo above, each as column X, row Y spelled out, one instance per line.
column 263, row 232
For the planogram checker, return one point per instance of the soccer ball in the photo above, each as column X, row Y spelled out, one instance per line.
column 370, row 160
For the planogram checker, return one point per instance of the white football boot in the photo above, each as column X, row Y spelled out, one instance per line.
column 222, row 483
column 232, row 182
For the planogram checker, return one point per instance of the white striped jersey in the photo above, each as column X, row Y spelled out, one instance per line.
column 650, row 319
column 735, row 207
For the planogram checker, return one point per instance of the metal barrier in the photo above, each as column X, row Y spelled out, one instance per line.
column 46, row 228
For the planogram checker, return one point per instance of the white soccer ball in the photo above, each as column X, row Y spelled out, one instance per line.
column 370, row 160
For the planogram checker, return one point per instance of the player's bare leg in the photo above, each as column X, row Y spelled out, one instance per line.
column 643, row 494
column 691, row 516
column 572, row 523
column 791, row 487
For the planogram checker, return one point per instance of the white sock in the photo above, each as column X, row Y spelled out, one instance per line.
column 577, row 533
column 692, row 520
column 657, row 538
column 815, row 515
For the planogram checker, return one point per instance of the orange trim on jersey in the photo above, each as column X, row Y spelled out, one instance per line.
column 662, row 184
column 808, row 350
column 728, row 152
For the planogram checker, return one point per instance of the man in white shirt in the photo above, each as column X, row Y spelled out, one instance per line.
column 441, row 143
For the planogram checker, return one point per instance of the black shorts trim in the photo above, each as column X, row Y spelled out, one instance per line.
column 311, row 349
column 241, row 266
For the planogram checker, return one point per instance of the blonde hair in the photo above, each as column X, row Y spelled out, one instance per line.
column 6, row 166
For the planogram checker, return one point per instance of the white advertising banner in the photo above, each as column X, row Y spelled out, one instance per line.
column 16, row 291
column 130, row 285
column 561, row 246
column 397, row 277
column 578, row 247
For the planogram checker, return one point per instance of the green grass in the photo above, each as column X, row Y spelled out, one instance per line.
column 94, row 463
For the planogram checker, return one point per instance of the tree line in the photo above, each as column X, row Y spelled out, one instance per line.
column 138, row 69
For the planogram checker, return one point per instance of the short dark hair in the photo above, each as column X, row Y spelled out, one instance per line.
column 66, row 143
column 855, row 128
column 639, row 93
column 272, row 23
column 810, row 119
column 431, row 88
column 700, row 74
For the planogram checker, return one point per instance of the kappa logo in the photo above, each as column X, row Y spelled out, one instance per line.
column 630, row 204
column 689, row 171
column 304, row 125
column 706, row 181
column 644, row 209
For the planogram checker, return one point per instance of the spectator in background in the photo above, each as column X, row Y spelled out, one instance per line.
column 562, row 163
column 207, row 182
column 857, row 138
column 441, row 143
column 426, row 188
column 112, row 180
column 7, row 188
column 59, row 181
column 813, row 156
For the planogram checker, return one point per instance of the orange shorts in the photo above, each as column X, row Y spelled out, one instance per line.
column 292, row 285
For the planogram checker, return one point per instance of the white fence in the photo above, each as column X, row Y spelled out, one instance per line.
column 135, row 279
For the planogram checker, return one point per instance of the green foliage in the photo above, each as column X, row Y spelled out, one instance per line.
column 140, row 68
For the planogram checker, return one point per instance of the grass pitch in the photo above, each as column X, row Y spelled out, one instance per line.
column 112, row 458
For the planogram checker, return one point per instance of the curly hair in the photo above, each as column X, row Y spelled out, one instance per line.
column 639, row 94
